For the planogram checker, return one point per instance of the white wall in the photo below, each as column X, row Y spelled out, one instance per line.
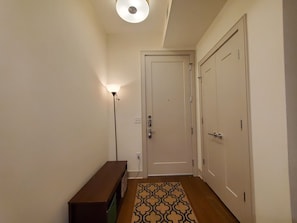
column 53, row 111
column 124, row 68
column 290, row 36
column 267, row 93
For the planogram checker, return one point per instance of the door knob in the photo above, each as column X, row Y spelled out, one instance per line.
column 149, row 134
column 149, row 121
column 149, row 125
column 219, row 135
column 214, row 134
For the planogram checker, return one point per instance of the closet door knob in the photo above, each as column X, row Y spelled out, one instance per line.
column 220, row 135
column 214, row 134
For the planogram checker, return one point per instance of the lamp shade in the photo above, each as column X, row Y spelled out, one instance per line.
column 113, row 88
column 133, row 11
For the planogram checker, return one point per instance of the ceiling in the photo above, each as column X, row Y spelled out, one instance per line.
column 180, row 23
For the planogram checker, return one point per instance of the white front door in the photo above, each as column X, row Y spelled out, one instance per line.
column 168, row 114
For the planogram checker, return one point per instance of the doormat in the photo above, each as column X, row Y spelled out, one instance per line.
column 162, row 202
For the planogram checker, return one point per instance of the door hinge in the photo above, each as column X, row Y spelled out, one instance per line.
column 202, row 120
column 192, row 163
column 191, row 99
column 192, row 130
column 241, row 125
column 190, row 66
column 244, row 198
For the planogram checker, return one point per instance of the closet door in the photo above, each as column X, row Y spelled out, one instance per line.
column 213, row 153
column 225, row 125
column 231, row 105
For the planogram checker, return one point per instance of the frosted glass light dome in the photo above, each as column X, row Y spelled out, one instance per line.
column 133, row 11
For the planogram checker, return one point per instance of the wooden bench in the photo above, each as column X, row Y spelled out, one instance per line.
column 93, row 201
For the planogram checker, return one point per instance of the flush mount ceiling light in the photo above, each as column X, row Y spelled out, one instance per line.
column 133, row 11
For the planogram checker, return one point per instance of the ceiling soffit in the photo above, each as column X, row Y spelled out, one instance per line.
column 188, row 20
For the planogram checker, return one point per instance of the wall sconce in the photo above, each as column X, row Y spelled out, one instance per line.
column 133, row 11
column 114, row 89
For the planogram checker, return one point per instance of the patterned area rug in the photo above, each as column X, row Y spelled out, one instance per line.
column 162, row 202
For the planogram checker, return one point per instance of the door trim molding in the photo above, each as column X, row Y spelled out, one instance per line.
column 191, row 54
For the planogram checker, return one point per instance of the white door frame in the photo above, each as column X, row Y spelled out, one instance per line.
column 191, row 55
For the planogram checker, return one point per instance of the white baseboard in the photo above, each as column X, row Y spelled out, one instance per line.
column 200, row 174
column 132, row 174
column 171, row 174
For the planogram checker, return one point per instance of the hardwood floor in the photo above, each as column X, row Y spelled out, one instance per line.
column 206, row 205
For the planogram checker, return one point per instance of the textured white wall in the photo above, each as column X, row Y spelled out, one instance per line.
column 53, row 107
column 124, row 68
column 268, row 104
